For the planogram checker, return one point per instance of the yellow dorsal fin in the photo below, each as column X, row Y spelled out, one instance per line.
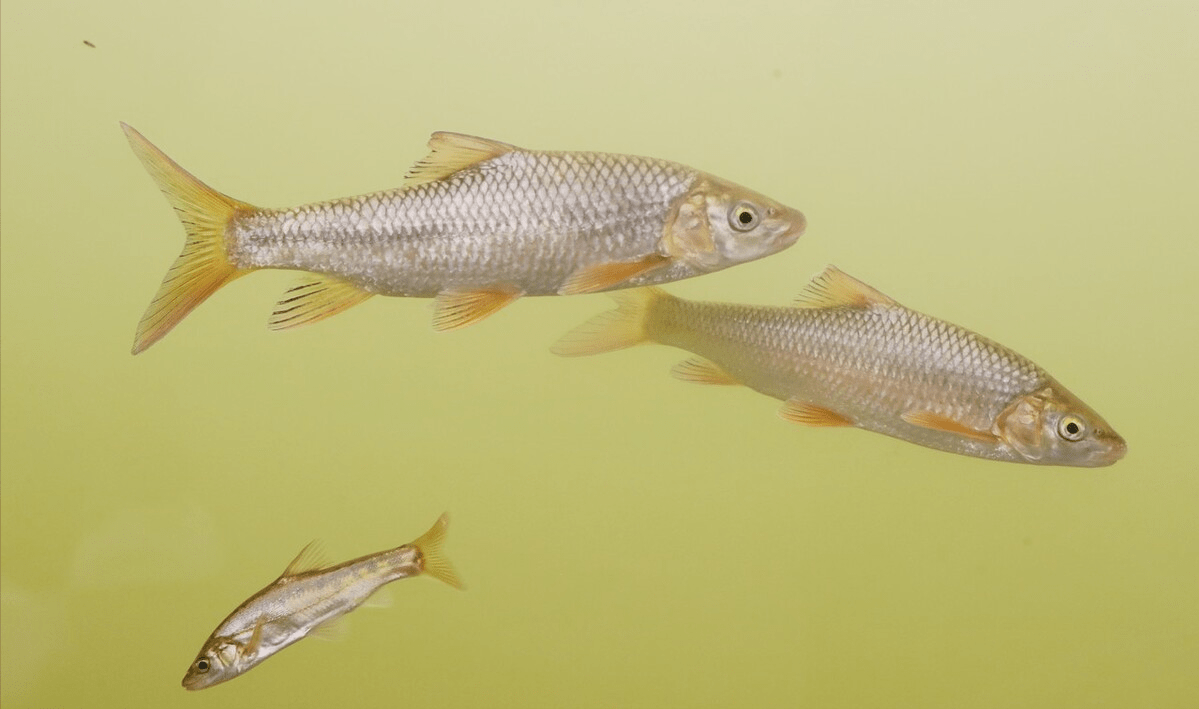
column 834, row 288
column 455, row 309
column 808, row 414
column 937, row 422
column 313, row 300
column 701, row 371
column 451, row 152
column 310, row 558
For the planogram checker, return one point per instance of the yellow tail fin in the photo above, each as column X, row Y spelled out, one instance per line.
column 203, row 267
column 615, row 329
column 434, row 562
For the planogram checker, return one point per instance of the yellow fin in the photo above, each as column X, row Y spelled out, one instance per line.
column 455, row 309
column 310, row 558
column 451, row 152
column 433, row 562
column 606, row 275
column 937, row 422
column 203, row 266
column 700, row 371
column 332, row 630
column 313, row 300
column 812, row 415
column 834, row 288
column 250, row 649
column 613, row 330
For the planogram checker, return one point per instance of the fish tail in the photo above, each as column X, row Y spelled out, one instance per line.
column 203, row 266
column 626, row 326
column 433, row 561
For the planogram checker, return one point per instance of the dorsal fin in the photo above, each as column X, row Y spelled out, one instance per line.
column 451, row 152
column 309, row 559
column 834, row 288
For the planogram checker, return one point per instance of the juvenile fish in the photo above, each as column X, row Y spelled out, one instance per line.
column 306, row 597
column 477, row 225
column 847, row 355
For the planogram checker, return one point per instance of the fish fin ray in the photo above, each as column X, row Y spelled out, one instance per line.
column 457, row 309
column 433, row 561
column 615, row 329
column 250, row 649
column 591, row 279
column 203, row 266
column 315, row 299
column 332, row 630
column 834, row 288
column 808, row 414
column 310, row 558
column 702, row 371
column 451, row 152
column 937, row 422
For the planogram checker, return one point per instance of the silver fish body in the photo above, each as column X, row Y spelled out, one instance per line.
column 304, row 599
column 479, row 224
column 848, row 355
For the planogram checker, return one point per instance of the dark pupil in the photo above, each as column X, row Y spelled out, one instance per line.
column 1072, row 428
column 745, row 217
column 202, row 665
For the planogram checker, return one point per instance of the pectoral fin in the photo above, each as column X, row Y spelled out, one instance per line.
column 314, row 300
column 809, row 414
column 606, row 275
column 700, row 371
column 456, row 309
column 250, row 649
column 937, row 422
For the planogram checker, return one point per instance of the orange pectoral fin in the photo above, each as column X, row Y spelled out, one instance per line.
column 606, row 275
column 808, row 414
column 456, row 309
column 937, row 422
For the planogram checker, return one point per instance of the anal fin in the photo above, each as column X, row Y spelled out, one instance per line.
column 698, row 370
column 314, row 300
column 937, row 422
column 603, row 276
column 456, row 309
column 809, row 414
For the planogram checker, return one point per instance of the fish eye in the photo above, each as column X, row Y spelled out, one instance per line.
column 202, row 665
column 1071, row 428
column 743, row 216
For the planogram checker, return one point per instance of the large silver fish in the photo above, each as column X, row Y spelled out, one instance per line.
column 847, row 355
column 478, row 224
column 306, row 597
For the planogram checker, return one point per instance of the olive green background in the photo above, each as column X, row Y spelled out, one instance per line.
column 1025, row 169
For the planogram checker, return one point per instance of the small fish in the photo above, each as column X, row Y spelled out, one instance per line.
column 847, row 355
column 89, row 44
column 306, row 597
column 477, row 225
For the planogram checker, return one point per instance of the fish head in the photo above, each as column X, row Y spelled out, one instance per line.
column 219, row 660
column 1051, row 426
column 718, row 224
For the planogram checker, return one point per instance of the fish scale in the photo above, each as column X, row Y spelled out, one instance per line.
column 479, row 224
column 847, row 355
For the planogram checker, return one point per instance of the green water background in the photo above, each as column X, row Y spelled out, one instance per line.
column 1025, row 169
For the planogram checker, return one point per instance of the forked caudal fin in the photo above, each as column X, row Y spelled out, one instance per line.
column 203, row 266
column 615, row 329
column 433, row 560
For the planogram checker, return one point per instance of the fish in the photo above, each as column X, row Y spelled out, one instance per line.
column 847, row 355
column 307, row 598
column 476, row 225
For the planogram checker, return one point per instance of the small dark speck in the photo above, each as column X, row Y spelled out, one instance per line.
column 89, row 44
